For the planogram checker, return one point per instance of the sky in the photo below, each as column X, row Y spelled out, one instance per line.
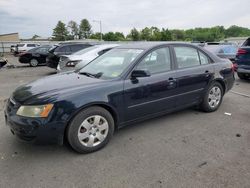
column 30, row 17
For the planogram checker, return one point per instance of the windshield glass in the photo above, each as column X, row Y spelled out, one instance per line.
column 85, row 50
column 111, row 64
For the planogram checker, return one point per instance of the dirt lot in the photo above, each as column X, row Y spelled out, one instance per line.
column 184, row 149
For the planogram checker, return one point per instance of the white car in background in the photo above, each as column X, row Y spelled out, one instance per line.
column 23, row 47
column 82, row 57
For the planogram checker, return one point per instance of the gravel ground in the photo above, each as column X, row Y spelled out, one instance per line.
column 184, row 149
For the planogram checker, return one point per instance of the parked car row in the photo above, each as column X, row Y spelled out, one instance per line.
column 73, row 56
column 129, row 83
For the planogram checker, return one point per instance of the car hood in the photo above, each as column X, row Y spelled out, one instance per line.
column 52, row 87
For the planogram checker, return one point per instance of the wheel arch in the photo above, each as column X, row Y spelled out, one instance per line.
column 104, row 105
column 222, row 83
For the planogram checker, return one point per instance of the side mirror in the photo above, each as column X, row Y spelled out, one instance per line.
column 140, row 73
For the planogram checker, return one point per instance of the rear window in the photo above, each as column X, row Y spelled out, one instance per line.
column 247, row 42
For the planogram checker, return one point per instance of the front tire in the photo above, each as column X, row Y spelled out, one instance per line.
column 33, row 62
column 90, row 130
column 241, row 76
column 213, row 98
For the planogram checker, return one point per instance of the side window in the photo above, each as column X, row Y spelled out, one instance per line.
column 42, row 50
column 31, row 45
column 203, row 58
column 156, row 61
column 64, row 49
column 75, row 48
column 186, row 56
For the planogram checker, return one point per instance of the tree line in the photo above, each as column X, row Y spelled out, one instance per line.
column 83, row 30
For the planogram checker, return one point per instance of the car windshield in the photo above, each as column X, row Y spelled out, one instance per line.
column 111, row 64
column 85, row 50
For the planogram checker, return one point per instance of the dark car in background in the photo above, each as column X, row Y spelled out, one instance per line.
column 243, row 60
column 224, row 50
column 130, row 83
column 63, row 49
column 35, row 56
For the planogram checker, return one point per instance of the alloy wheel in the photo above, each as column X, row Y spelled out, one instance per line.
column 214, row 97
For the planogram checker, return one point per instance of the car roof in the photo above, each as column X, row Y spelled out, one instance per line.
column 149, row 45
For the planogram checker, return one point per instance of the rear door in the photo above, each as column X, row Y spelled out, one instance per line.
column 153, row 94
column 194, row 72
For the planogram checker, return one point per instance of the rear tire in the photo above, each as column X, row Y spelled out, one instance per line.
column 33, row 62
column 213, row 98
column 90, row 130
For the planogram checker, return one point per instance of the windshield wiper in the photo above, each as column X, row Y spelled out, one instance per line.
column 98, row 75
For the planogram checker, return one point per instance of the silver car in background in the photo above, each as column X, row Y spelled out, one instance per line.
column 226, row 51
column 82, row 57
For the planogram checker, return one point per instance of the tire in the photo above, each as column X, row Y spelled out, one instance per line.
column 241, row 76
column 90, row 130
column 213, row 98
column 33, row 62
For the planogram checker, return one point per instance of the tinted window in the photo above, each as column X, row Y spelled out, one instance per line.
column 31, row 45
column 63, row 49
column 42, row 50
column 75, row 48
column 186, row 57
column 156, row 61
column 20, row 45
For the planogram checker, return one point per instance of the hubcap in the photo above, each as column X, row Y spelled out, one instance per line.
column 214, row 97
column 93, row 131
column 34, row 62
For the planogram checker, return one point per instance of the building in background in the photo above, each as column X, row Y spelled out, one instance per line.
column 9, row 37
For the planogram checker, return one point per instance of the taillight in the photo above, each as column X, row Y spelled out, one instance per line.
column 241, row 51
column 234, row 66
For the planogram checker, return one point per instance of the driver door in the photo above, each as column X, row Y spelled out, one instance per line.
column 153, row 94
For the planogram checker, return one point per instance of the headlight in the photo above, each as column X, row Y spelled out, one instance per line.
column 35, row 111
column 72, row 63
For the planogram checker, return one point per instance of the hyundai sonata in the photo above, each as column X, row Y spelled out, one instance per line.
column 130, row 83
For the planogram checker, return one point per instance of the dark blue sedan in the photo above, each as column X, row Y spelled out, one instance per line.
column 130, row 83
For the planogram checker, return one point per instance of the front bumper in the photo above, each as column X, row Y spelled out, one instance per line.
column 38, row 130
column 242, row 70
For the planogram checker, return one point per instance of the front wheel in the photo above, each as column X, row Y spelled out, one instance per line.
column 90, row 130
column 213, row 98
column 33, row 62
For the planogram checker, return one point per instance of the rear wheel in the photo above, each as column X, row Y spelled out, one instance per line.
column 33, row 62
column 90, row 130
column 213, row 98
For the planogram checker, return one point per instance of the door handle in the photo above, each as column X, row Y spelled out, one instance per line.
column 171, row 83
column 207, row 72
